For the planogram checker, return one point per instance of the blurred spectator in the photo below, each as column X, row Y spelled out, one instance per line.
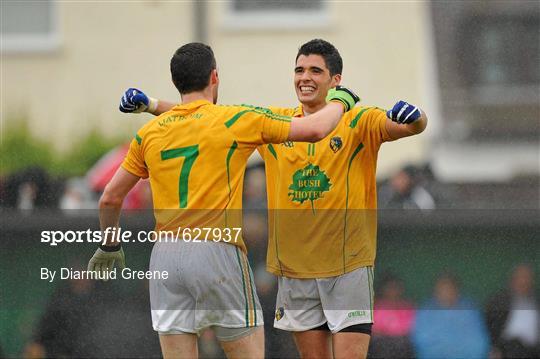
column 449, row 326
column 30, row 188
column 513, row 317
column 76, row 324
column 67, row 320
column 77, row 196
column 405, row 191
column 255, row 187
column 393, row 321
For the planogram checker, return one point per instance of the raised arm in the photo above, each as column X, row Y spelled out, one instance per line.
column 136, row 101
column 405, row 120
column 311, row 128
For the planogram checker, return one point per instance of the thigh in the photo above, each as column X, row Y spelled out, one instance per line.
column 314, row 343
column 350, row 345
column 347, row 300
column 246, row 346
column 179, row 346
column 298, row 305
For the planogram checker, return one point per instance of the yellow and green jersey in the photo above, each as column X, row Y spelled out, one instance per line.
column 322, row 197
column 195, row 156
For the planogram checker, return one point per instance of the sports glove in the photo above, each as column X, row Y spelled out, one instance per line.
column 403, row 112
column 343, row 95
column 135, row 101
column 103, row 260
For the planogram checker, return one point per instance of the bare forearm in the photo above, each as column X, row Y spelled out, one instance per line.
column 162, row 106
column 318, row 125
column 109, row 217
column 110, row 203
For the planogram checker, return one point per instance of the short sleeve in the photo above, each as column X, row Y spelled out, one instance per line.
column 379, row 125
column 134, row 161
column 259, row 125
column 371, row 122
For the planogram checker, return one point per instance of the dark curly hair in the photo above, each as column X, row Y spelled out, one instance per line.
column 191, row 66
column 329, row 53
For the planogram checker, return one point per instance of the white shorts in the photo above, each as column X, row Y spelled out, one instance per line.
column 341, row 301
column 209, row 284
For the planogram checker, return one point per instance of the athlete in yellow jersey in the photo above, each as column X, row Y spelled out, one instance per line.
column 322, row 203
column 322, row 198
column 195, row 156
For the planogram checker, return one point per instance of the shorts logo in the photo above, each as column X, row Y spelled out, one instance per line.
column 309, row 183
column 280, row 312
column 336, row 143
column 357, row 313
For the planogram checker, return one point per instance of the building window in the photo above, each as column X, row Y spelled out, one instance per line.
column 29, row 26
column 489, row 70
column 502, row 50
column 276, row 14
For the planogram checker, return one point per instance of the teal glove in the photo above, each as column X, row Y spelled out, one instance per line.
column 343, row 95
column 103, row 260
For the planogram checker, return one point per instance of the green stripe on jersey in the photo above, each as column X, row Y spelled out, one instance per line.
column 235, row 118
column 138, row 139
column 233, row 148
column 355, row 120
column 259, row 110
column 358, row 148
column 272, row 150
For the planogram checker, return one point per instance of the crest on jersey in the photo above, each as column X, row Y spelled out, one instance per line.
column 336, row 143
column 279, row 313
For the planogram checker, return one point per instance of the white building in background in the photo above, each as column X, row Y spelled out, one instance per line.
column 65, row 65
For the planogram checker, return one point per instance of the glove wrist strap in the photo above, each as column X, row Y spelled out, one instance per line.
column 110, row 248
column 152, row 105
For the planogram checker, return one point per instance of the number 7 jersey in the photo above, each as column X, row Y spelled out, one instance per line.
column 195, row 156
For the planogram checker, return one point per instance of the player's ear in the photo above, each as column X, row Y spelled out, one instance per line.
column 214, row 78
column 336, row 80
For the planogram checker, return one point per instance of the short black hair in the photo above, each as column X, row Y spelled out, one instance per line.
column 329, row 53
column 191, row 66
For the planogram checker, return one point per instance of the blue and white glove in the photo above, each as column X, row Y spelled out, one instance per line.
column 135, row 101
column 404, row 112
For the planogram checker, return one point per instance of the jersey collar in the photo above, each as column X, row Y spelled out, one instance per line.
column 299, row 111
column 191, row 105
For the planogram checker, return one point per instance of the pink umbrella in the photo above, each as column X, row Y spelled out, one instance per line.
column 103, row 171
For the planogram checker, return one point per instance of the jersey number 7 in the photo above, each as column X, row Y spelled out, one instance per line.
column 190, row 153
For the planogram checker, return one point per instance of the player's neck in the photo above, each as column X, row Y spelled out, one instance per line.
column 309, row 109
column 196, row 96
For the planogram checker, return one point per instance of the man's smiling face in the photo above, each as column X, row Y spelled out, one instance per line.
column 312, row 80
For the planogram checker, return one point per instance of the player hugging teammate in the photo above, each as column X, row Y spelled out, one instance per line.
column 321, row 198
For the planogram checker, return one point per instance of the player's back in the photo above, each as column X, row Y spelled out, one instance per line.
column 195, row 156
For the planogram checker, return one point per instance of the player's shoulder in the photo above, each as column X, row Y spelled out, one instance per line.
column 149, row 126
column 286, row 111
column 361, row 113
column 258, row 111
column 155, row 124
